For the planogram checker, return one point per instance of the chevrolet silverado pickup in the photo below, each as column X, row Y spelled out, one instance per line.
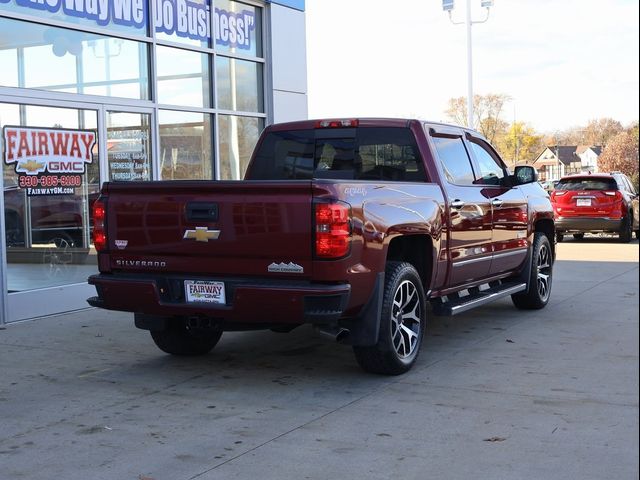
column 355, row 226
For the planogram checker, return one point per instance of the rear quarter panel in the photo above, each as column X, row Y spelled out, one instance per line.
column 380, row 212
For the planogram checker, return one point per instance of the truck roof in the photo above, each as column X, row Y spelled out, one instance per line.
column 363, row 122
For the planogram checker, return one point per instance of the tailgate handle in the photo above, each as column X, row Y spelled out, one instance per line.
column 202, row 211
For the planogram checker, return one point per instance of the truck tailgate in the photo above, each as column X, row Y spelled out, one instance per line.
column 211, row 228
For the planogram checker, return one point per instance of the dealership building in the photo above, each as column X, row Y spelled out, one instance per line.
column 120, row 90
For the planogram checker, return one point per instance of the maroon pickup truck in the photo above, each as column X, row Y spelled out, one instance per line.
column 349, row 225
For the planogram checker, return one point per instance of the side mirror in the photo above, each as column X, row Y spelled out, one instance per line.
column 525, row 174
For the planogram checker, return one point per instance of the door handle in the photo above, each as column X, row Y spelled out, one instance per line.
column 497, row 202
column 457, row 204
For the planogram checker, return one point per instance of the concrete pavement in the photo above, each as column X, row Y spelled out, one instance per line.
column 497, row 393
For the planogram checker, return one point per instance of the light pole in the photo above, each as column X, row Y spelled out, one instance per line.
column 447, row 6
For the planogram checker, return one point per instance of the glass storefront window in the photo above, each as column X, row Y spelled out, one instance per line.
column 129, row 146
column 185, row 145
column 238, row 137
column 8, row 58
column 70, row 61
column 50, row 180
column 239, row 84
column 184, row 22
column 128, row 17
column 237, row 28
column 183, row 77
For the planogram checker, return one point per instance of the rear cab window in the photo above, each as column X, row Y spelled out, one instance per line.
column 360, row 153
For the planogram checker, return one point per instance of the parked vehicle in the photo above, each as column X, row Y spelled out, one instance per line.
column 349, row 225
column 594, row 204
column 549, row 185
column 55, row 220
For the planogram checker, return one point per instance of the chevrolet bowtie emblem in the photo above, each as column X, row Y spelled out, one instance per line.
column 201, row 234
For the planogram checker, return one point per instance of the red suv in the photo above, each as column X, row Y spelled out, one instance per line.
column 596, row 203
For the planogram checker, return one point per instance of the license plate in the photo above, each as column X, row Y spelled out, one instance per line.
column 583, row 202
column 200, row 291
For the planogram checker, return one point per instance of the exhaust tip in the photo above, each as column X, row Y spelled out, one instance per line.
column 337, row 334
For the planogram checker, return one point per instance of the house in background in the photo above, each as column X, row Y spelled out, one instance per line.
column 589, row 158
column 556, row 161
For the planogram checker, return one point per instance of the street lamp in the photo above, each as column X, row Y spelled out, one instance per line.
column 448, row 6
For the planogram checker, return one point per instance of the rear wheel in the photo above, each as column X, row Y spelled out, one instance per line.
column 559, row 237
column 578, row 236
column 178, row 339
column 626, row 230
column 402, row 323
column 540, row 278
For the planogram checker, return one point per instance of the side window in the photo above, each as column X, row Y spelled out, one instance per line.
column 454, row 160
column 628, row 185
column 491, row 172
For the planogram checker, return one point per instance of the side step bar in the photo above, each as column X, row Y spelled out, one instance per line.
column 455, row 304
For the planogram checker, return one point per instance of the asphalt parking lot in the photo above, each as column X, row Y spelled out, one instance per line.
column 496, row 394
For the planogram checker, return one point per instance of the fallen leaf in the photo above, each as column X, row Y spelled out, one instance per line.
column 495, row 439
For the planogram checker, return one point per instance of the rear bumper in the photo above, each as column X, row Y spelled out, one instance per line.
column 587, row 224
column 247, row 302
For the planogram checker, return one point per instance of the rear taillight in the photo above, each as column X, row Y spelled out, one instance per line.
column 99, row 225
column 333, row 230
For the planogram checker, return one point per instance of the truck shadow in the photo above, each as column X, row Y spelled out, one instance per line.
column 305, row 356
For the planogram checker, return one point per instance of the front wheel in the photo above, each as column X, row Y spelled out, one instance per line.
column 402, row 323
column 540, row 277
column 180, row 340
column 578, row 236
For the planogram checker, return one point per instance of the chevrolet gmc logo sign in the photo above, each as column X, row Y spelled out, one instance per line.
column 201, row 234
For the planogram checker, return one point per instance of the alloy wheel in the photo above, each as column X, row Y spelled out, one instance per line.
column 544, row 272
column 405, row 319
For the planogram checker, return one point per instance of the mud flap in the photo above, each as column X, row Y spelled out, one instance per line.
column 364, row 330
column 525, row 275
column 151, row 322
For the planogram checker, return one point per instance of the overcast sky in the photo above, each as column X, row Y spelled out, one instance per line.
column 563, row 62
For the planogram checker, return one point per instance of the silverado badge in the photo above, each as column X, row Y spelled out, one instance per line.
column 201, row 234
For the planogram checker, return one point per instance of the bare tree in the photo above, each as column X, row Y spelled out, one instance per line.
column 487, row 111
column 600, row 131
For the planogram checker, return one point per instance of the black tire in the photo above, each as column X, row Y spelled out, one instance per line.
column 541, row 276
column 578, row 236
column 178, row 339
column 559, row 237
column 402, row 323
column 637, row 234
column 626, row 229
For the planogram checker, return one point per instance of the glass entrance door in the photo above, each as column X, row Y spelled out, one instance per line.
column 129, row 152
column 51, row 176
column 55, row 159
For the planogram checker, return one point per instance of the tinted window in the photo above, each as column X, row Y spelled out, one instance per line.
column 590, row 183
column 350, row 154
column 491, row 172
column 454, row 160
